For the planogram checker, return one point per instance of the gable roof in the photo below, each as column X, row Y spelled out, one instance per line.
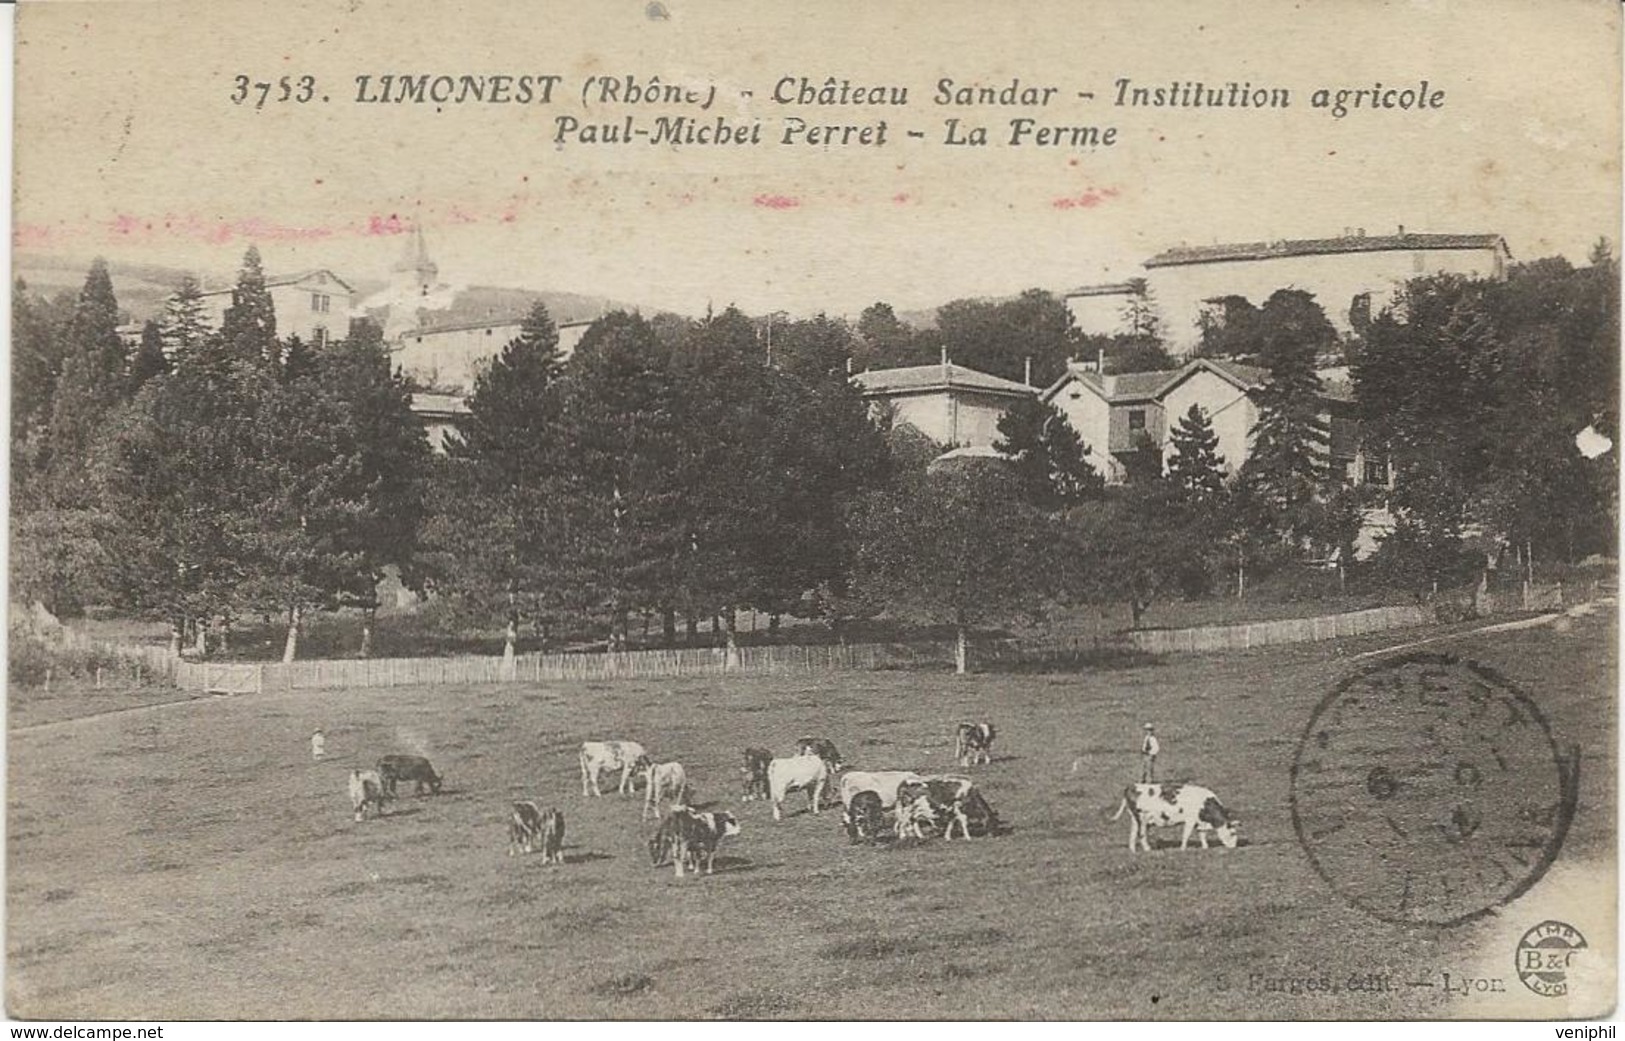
column 1313, row 247
column 1127, row 387
column 915, row 379
column 288, row 280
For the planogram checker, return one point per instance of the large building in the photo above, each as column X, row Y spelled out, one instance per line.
column 1351, row 276
column 312, row 305
column 452, row 356
column 954, row 406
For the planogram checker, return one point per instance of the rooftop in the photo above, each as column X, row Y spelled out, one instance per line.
column 287, row 280
column 940, row 376
column 1315, row 247
column 1145, row 386
column 440, row 404
column 1108, row 289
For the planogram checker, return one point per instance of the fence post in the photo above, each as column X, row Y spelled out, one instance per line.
column 259, row 679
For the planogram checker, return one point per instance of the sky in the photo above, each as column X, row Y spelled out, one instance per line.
column 128, row 144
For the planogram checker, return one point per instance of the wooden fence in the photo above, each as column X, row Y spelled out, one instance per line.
column 245, row 678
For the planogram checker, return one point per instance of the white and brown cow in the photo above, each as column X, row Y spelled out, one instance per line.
column 864, row 817
column 662, row 780
column 882, row 782
column 973, row 743
column 943, row 803
column 597, row 757
column 366, row 789
column 529, row 827
column 686, row 837
column 806, row 773
column 1189, row 806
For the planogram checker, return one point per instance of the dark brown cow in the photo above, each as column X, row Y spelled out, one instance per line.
column 414, row 768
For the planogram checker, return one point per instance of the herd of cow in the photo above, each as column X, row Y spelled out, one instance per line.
column 904, row 803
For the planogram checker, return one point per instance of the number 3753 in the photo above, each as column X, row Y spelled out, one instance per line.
column 298, row 89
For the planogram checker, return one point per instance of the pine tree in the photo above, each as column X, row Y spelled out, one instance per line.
column 298, row 360
column 185, row 322
column 507, row 457
column 93, row 380
column 93, row 331
column 249, row 324
column 149, row 360
column 1195, row 465
column 1290, row 441
column 1050, row 459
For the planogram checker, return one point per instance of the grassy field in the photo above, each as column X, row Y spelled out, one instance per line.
column 190, row 861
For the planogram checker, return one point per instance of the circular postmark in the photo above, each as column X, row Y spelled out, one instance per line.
column 1546, row 954
column 1429, row 790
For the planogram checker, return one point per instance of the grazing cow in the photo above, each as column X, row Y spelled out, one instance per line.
column 973, row 743
column 823, row 748
column 662, row 779
column 599, row 756
column 529, row 827
column 801, row 772
column 414, row 768
column 686, row 837
column 755, row 771
column 942, row 803
column 882, row 782
column 1189, row 806
column 366, row 789
column 865, row 817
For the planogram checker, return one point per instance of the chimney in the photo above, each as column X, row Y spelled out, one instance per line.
column 947, row 372
column 1402, row 231
column 1100, row 361
column 1360, row 232
column 849, row 365
column 1028, row 378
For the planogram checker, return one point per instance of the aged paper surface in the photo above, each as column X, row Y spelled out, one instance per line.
column 397, row 160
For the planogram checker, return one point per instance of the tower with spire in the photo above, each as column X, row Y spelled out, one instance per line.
column 414, row 275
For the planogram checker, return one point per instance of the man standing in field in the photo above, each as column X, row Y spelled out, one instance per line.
column 318, row 746
column 1149, row 748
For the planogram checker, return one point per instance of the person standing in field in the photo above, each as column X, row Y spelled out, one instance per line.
column 318, row 745
column 1150, row 747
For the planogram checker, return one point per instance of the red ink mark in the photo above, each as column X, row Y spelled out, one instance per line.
column 320, row 181
column 30, row 236
column 390, row 225
column 777, row 202
column 900, row 198
column 1072, row 162
column 1088, row 200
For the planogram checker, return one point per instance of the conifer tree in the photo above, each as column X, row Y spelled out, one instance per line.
column 1195, row 465
column 149, row 360
column 1050, row 459
column 185, row 322
column 249, row 325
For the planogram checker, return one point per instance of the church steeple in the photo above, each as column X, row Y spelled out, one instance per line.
column 415, row 273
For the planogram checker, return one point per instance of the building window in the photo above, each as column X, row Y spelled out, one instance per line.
column 1136, row 419
column 320, row 335
column 1376, row 469
column 321, row 303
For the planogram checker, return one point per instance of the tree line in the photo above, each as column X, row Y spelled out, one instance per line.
column 684, row 470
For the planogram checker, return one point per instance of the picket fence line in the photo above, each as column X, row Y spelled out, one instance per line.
column 155, row 663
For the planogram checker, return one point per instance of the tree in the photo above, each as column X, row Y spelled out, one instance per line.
column 621, row 491
column 510, row 448
column 1001, row 337
column 885, row 341
column 1050, row 459
column 92, row 381
column 1286, row 466
column 1229, row 328
column 1195, row 467
column 149, row 360
column 1132, row 546
column 249, row 325
column 185, row 322
column 954, row 548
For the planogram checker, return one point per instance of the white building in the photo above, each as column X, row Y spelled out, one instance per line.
column 312, row 305
column 950, row 404
column 452, row 356
column 1098, row 310
column 1351, row 277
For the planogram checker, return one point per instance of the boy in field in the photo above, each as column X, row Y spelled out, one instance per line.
column 1149, row 749
column 318, row 745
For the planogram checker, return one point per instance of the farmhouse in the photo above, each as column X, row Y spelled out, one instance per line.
column 312, row 305
column 1125, row 418
column 1352, row 276
column 951, row 404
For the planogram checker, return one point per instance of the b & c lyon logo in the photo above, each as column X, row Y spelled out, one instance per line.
column 1546, row 954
